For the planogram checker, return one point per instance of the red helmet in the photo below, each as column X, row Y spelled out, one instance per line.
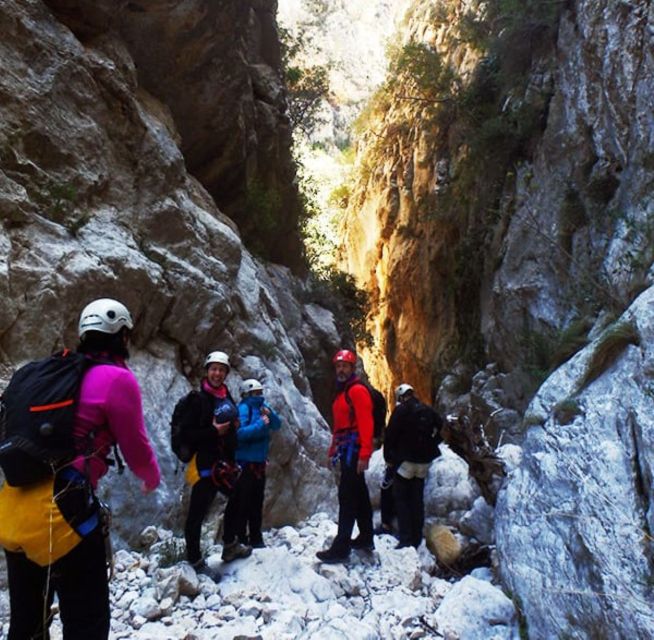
column 345, row 356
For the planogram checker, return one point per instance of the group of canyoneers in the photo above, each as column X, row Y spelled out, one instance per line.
column 54, row 533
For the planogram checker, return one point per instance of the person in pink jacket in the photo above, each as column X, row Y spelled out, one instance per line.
column 63, row 551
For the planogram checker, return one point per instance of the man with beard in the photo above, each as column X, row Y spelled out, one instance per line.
column 351, row 447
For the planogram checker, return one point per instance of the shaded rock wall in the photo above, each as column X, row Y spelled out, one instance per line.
column 96, row 201
column 579, row 239
column 216, row 67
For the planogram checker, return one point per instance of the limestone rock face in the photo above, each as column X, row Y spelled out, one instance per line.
column 572, row 522
column 567, row 236
column 567, row 230
column 217, row 68
column 466, row 596
column 342, row 35
column 96, row 201
column 578, row 238
column 395, row 245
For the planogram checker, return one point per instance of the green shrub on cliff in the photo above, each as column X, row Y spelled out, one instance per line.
column 263, row 204
column 610, row 345
column 307, row 84
column 425, row 68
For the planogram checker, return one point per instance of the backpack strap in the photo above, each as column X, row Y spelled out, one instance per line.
column 349, row 400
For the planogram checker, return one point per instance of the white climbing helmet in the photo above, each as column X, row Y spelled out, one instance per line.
column 217, row 356
column 249, row 386
column 402, row 390
column 104, row 315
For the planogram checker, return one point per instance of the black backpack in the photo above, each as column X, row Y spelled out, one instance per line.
column 36, row 417
column 185, row 416
column 426, row 425
column 378, row 409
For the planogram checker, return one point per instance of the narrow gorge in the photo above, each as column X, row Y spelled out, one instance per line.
column 490, row 186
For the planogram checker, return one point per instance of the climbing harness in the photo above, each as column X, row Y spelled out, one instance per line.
column 347, row 447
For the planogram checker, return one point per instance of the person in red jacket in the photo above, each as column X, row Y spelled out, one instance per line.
column 351, row 447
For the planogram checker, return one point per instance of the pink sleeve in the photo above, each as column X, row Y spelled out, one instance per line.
column 125, row 416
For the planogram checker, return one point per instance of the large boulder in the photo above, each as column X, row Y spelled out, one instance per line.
column 573, row 521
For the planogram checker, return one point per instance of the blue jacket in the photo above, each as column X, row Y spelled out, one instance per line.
column 253, row 434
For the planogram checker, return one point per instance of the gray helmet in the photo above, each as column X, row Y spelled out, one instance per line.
column 104, row 315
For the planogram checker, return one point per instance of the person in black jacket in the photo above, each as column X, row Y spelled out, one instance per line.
column 213, row 468
column 410, row 445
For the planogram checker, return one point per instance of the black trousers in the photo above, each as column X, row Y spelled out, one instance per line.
column 410, row 509
column 353, row 506
column 243, row 513
column 248, row 499
column 387, row 507
column 202, row 495
column 80, row 581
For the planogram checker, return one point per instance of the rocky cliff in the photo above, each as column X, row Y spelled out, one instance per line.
column 574, row 521
column 509, row 157
column 97, row 200
column 503, row 214
column 216, row 67
column 340, row 35
column 392, row 224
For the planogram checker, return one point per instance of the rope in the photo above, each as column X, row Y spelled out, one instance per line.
column 46, row 613
column 46, row 593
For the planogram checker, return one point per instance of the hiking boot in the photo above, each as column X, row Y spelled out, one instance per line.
column 363, row 544
column 332, row 556
column 259, row 544
column 235, row 550
column 201, row 567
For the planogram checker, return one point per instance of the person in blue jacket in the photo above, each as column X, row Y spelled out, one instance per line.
column 257, row 421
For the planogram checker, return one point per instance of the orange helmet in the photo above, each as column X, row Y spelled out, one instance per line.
column 345, row 356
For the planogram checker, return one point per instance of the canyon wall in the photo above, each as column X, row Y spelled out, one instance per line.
column 502, row 221
column 505, row 199
column 97, row 200
column 216, row 66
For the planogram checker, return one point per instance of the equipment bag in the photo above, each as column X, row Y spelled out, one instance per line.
column 37, row 415
column 225, row 410
column 378, row 409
